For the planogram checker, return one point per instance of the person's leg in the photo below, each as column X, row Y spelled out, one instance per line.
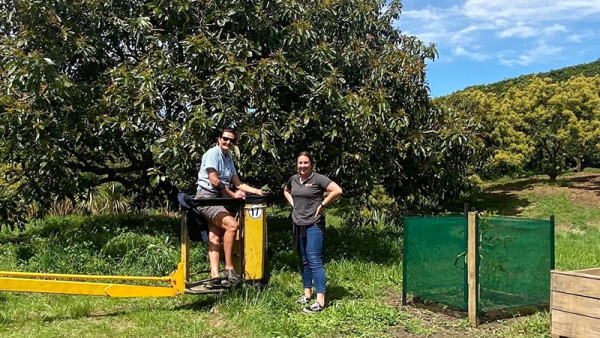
column 227, row 222
column 214, row 248
column 307, row 277
column 314, row 255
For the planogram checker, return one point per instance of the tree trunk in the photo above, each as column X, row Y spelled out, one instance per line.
column 577, row 164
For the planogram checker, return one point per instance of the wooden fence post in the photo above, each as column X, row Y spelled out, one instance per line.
column 472, row 268
column 185, row 246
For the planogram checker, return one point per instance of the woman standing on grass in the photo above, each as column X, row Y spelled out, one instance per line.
column 305, row 194
column 216, row 174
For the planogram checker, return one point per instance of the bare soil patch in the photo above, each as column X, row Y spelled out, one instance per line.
column 442, row 321
column 509, row 198
column 581, row 189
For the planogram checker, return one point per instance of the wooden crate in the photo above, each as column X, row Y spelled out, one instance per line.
column 575, row 303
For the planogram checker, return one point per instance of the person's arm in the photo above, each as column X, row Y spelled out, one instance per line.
column 213, row 177
column 244, row 187
column 334, row 191
column 288, row 197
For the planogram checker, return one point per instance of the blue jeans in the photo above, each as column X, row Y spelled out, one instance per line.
column 311, row 251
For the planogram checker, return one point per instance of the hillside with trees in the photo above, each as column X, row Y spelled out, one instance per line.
column 540, row 127
column 559, row 75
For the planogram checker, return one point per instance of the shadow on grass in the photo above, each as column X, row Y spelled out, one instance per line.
column 203, row 304
column 95, row 229
column 562, row 181
column 495, row 315
column 51, row 319
column 587, row 183
column 518, row 185
column 336, row 292
column 505, row 198
column 504, row 202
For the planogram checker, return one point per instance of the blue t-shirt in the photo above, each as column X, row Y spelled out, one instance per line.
column 223, row 164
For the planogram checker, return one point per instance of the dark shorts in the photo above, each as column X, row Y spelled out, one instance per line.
column 211, row 212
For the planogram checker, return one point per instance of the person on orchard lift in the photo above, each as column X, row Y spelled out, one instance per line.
column 217, row 173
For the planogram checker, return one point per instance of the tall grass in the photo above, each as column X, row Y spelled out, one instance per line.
column 363, row 267
column 363, row 290
column 578, row 250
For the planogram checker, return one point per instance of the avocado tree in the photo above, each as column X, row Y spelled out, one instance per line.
column 560, row 119
column 135, row 91
column 506, row 148
column 541, row 125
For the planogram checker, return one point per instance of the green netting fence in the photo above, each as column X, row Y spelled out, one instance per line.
column 514, row 259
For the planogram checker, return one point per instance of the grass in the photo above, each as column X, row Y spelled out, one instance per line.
column 573, row 199
column 578, row 250
column 363, row 266
column 361, row 282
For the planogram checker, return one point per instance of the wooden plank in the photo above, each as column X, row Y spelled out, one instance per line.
column 185, row 246
column 573, row 325
column 577, row 273
column 576, row 284
column 472, row 268
column 576, row 304
column 592, row 271
column 551, row 306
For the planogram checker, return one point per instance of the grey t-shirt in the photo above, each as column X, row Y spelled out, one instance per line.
column 307, row 197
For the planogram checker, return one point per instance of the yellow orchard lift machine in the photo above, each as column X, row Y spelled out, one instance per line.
column 249, row 252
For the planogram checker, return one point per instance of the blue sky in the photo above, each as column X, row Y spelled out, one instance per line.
column 484, row 41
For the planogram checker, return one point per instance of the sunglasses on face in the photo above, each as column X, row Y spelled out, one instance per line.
column 225, row 139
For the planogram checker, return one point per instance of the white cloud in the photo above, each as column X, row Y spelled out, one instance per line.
column 531, row 10
column 460, row 51
column 467, row 35
column 524, row 32
column 518, row 31
column 427, row 14
column 542, row 51
column 496, row 25
column 576, row 38
column 581, row 36
column 515, row 18
column 429, row 24
column 556, row 28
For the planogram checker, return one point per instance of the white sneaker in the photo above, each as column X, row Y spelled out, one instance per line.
column 314, row 308
column 303, row 300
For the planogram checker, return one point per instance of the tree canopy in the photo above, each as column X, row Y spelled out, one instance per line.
column 541, row 125
column 135, row 91
column 590, row 69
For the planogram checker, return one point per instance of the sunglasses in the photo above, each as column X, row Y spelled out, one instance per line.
column 225, row 139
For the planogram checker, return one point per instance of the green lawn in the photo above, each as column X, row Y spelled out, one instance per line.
column 362, row 281
column 363, row 267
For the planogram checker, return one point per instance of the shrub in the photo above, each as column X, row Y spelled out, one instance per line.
column 378, row 209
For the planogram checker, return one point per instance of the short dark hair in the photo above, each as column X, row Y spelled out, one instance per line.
column 307, row 154
column 229, row 130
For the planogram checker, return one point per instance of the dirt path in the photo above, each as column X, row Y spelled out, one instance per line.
column 582, row 189
column 510, row 198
